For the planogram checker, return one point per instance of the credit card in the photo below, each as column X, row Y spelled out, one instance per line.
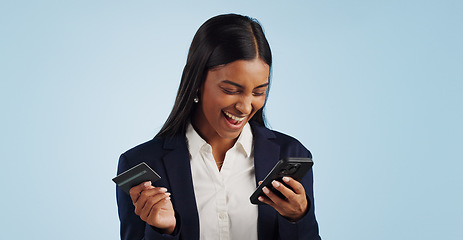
column 136, row 175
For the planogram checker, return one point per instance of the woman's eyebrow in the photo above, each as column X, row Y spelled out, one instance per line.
column 262, row 85
column 238, row 85
column 232, row 83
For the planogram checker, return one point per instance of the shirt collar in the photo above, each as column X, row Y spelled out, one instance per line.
column 196, row 142
column 245, row 140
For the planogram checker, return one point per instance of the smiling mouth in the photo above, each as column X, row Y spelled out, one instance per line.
column 233, row 119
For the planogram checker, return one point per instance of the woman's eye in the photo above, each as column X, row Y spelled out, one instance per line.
column 229, row 91
column 258, row 93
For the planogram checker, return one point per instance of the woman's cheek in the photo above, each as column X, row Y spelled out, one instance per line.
column 260, row 103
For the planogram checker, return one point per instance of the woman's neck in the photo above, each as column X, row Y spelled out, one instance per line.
column 219, row 145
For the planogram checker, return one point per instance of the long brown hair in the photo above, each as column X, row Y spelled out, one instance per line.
column 220, row 40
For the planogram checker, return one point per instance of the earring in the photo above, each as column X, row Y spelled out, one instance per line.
column 196, row 99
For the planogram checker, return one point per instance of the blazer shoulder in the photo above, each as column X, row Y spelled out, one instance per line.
column 290, row 146
column 149, row 152
column 152, row 151
column 147, row 148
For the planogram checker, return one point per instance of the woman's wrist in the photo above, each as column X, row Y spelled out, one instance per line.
column 170, row 230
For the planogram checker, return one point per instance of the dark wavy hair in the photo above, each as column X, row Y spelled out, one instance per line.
column 220, row 40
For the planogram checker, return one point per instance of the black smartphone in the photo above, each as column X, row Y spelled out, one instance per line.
column 136, row 175
column 290, row 167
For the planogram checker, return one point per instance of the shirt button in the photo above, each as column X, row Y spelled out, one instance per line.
column 223, row 216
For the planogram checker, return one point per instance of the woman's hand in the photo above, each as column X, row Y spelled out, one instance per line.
column 153, row 205
column 294, row 207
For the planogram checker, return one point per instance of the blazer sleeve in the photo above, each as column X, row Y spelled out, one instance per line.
column 132, row 227
column 307, row 227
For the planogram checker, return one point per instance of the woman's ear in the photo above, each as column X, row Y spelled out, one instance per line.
column 198, row 94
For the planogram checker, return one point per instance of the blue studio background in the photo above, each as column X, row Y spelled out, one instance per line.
column 372, row 88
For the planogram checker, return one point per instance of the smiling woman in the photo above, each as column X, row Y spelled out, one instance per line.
column 230, row 97
column 214, row 148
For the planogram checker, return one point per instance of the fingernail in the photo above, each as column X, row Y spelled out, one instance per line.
column 260, row 199
column 147, row 184
column 286, row 179
column 167, row 194
column 163, row 190
column 265, row 189
column 167, row 198
column 275, row 183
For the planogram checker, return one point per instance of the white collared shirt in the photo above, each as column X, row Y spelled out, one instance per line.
column 222, row 197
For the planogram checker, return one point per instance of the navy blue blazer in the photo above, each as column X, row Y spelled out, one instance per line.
column 169, row 157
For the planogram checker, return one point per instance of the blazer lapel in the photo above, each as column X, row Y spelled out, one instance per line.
column 178, row 170
column 266, row 151
column 266, row 154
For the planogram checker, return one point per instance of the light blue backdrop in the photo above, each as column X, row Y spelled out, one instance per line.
column 372, row 88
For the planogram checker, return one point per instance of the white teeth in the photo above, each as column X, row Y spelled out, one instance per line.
column 234, row 117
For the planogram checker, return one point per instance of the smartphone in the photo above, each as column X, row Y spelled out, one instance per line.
column 136, row 175
column 291, row 167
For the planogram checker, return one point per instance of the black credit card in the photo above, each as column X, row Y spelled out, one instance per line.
column 136, row 175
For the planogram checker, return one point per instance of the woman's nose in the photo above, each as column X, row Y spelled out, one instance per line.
column 244, row 105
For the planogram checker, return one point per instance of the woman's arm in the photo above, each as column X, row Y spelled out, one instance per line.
column 134, row 215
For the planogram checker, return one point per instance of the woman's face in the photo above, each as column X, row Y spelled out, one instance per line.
column 229, row 97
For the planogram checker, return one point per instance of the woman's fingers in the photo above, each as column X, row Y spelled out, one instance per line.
column 266, row 199
column 272, row 196
column 150, row 203
column 295, row 189
column 294, row 206
column 153, row 205
column 135, row 191
column 295, row 185
column 144, row 196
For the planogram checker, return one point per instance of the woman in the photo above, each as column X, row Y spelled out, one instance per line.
column 214, row 147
